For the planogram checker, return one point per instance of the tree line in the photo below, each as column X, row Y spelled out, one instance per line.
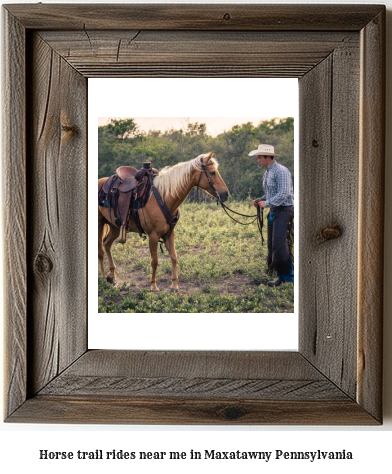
column 121, row 142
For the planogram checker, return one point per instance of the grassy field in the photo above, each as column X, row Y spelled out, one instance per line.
column 221, row 269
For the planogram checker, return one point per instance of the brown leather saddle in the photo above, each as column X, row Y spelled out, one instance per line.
column 125, row 193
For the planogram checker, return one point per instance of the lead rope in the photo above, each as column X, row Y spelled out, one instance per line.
column 260, row 222
column 258, row 217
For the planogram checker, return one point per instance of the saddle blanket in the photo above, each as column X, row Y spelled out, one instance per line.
column 103, row 198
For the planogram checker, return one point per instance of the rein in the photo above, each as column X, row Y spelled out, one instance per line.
column 258, row 217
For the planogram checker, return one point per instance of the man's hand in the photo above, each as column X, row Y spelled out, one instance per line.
column 258, row 203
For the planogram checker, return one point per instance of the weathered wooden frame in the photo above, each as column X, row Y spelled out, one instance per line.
column 337, row 51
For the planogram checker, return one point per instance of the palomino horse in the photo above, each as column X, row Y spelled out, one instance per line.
column 173, row 184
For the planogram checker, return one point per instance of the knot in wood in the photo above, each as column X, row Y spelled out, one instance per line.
column 69, row 128
column 315, row 143
column 227, row 16
column 232, row 413
column 43, row 264
column 328, row 233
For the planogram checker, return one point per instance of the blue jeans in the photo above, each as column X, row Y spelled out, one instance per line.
column 280, row 259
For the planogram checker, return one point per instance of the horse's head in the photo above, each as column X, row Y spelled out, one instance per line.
column 210, row 180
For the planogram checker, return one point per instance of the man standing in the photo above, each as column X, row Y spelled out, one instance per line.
column 279, row 198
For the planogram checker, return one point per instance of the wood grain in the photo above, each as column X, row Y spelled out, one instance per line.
column 57, row 224
column 133, row 53
column 335, row 378
column 103, row 409
column 193, row 17
column 371, row 217
column 329, row 98
column 208, row 375
column 192, row 387
column 208, row 364
column 14, row 212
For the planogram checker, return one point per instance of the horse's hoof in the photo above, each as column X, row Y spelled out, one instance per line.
column 174, row 290
column 110, row 279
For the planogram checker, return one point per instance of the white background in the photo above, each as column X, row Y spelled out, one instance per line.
column 20, row 444
column 181, row 98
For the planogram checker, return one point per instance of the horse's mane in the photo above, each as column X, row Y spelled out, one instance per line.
column 171, row 180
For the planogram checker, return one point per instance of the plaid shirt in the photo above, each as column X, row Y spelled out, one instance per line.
column 278, row 187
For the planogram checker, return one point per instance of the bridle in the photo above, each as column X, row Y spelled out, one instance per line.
column 204, row 169
column 258, row 217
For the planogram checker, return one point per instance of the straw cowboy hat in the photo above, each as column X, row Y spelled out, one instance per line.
column 265, row 150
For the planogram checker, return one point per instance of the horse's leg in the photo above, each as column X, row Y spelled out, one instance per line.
column 169, row 243
column 101, row 225
column 153, row 243
column 108, row 241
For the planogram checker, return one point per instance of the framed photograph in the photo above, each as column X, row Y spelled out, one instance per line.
column 215, row 258
column 222, row 259
column 337, row 52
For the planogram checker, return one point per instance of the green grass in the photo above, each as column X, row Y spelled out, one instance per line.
column 222, row 269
